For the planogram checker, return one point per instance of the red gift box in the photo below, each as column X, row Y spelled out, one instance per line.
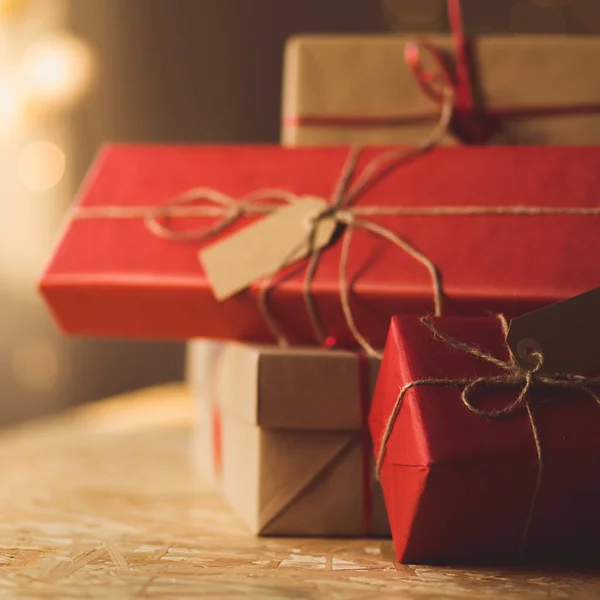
column 461, row 486
column 111, row 276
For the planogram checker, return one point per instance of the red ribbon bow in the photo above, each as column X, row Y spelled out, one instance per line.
column 468, row 121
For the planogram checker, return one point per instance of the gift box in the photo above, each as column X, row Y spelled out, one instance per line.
column 360, row 88
column 510, row 229
column 464, row 483
column 283, row 435
column 201, row 359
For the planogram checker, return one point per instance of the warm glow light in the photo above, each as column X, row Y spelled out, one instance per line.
column 41, row 166
column 56, row 72
column 10, row 107
column 12, row 8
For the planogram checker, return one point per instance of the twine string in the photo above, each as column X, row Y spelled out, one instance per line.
column 227, row 210
column 178, row 211
column 513, row 376
column 387, row 162
column 341, row 211
column 217, row 204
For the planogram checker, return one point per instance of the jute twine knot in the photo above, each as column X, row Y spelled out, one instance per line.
column 521, row 379
column 350, row 187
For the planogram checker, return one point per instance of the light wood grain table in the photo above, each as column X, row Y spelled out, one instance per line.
column 102, row 503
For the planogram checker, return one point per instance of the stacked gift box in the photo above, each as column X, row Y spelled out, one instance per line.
column 285, row 439
column 375, row 89
column 289, row 267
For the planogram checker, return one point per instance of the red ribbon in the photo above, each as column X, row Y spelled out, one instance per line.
column 217, row 441
column 470, row 122
column 214, row 368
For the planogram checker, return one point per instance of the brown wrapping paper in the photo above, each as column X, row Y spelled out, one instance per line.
column 280, row 432
column 351, row 76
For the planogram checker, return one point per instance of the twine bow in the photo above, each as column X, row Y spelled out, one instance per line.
column 523, row 380
column 228, row 210
column 340, row 209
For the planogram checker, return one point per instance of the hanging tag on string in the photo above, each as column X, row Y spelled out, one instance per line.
column 265, row 246
column 567, row 334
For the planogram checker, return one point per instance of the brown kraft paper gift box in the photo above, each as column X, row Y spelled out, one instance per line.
column 282, row 435
column 365, row 80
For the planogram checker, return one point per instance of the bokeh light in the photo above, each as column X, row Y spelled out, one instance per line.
column 56, row 72
column 41, row 166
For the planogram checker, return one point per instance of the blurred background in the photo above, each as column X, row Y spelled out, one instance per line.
column 77, row 73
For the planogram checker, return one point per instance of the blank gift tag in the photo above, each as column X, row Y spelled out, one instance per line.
column 265, row 246
column 566, row 333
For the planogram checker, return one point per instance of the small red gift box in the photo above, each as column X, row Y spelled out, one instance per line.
column 461, row 485
column 111, row 275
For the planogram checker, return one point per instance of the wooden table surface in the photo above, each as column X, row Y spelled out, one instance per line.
column 102, row 503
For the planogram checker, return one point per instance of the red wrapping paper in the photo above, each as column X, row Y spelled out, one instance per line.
column 112, row 277
column 457, row 486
